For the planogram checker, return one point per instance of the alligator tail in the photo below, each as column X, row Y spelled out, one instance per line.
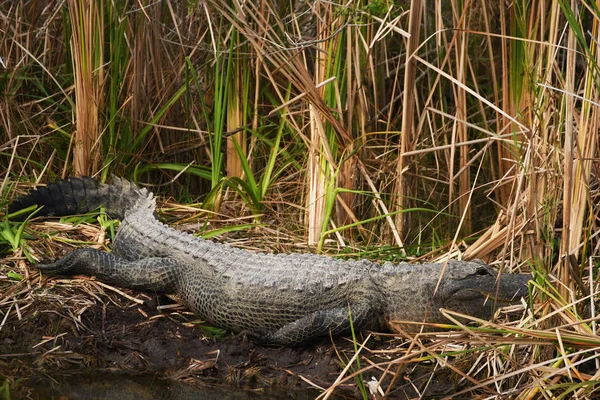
column 81, row 195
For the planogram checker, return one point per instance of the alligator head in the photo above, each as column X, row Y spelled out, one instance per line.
column 467, row 287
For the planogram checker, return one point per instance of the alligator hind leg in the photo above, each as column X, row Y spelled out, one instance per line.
column 152, row 273
column 319, row 323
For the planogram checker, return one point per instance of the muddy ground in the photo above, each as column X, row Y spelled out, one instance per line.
column 71, row 337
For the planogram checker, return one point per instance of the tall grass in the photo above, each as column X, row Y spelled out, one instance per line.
column 87, row 52
column 443, row 128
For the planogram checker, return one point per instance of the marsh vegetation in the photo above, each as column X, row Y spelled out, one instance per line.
column 382, row 129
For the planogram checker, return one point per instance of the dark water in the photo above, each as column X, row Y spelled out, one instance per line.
column 123, row 387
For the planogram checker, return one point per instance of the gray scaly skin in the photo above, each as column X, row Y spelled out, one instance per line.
column 283, row 299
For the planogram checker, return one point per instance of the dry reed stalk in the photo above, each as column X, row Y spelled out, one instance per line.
column 317, row 179
column 459, row 133
column 235, row 117
column 542, row 184
column 503, row 163
column 319, row 169
column 87, row 44
column 578, row 162
column 408, row 109
column 347, row 176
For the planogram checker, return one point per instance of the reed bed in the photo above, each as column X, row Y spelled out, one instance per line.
column 380, row 129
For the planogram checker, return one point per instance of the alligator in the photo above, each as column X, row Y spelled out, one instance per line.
column 277, row 299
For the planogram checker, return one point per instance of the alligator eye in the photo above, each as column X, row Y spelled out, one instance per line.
column 481, row 271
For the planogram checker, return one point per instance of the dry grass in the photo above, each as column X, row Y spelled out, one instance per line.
column 443, row 128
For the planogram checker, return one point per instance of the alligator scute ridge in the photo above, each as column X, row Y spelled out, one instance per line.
column 283, row 299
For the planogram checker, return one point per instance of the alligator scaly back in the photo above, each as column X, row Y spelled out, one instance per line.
column 81, row 195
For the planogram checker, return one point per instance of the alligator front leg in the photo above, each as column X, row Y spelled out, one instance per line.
column 152, row 273
column 319, row 323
